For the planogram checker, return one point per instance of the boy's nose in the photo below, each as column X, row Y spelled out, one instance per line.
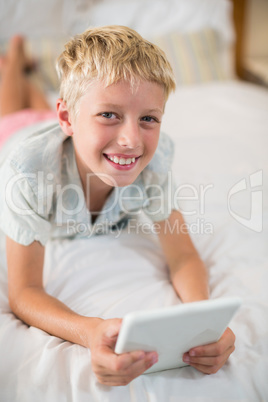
column 129, row 136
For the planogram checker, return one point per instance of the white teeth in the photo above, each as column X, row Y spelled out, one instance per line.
column 121, row 161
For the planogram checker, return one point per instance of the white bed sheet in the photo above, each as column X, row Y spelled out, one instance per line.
column 220, row 133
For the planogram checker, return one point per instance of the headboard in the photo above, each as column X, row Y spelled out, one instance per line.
column 240, row 12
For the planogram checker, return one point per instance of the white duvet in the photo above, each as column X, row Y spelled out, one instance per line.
column 221, row 137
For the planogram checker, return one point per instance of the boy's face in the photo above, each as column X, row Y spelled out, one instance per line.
column 117, row 130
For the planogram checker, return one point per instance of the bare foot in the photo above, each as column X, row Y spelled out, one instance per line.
column 16, row 54
column 2, row 62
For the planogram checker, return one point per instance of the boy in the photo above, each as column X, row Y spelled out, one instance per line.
column 114, row 86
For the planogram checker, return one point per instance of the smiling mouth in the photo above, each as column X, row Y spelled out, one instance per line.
column 119, row 160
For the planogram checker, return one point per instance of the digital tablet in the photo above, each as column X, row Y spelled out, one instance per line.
column 172, row 331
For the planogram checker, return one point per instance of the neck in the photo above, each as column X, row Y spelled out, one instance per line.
column 95, row 190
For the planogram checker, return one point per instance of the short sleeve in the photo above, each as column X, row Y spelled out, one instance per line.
column 158, row 181
column 23, row 216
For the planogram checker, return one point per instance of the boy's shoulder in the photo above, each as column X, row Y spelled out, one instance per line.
column 163, row 158
column 40, row 151
column 36, row 162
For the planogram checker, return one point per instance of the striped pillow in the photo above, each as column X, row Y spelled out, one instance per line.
column 195, row 57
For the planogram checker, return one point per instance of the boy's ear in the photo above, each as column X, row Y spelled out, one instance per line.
column 64, row 117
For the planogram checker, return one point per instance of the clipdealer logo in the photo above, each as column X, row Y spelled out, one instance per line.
column 255, row 219
column 189, row 199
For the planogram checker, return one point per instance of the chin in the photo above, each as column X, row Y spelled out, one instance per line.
column 123, row 182
column 114, row 181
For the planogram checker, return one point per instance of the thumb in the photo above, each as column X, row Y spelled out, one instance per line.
column 113, row 329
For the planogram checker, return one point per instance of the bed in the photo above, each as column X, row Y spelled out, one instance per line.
column 219, row 125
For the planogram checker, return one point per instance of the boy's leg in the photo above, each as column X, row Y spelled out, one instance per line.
column 16, row 92
column 36, row 98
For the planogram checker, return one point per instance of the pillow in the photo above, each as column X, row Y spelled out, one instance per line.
column 151, row 18
column 195, row 57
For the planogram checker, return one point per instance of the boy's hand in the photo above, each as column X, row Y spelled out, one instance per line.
column 210, row 358
column 110, row 368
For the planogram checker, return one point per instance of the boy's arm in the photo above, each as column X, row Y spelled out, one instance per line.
column 29, row 301
column 190, row 280
column 187, row 271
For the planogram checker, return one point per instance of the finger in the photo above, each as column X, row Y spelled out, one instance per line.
column 139, row 360
column 110, row 362
column 226, row 341
column 218, row 360
column 209, row 369
column 114, row 328
column 123, row 377
column 111, row 333
column 205, row 369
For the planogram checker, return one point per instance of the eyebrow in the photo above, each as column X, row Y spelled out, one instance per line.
column 154, row 110
column 113, row 105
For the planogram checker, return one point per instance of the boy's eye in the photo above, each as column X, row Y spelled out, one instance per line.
column 108, row 115
column 149, row 119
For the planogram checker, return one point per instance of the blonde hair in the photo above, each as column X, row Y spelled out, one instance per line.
column 110, row 54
